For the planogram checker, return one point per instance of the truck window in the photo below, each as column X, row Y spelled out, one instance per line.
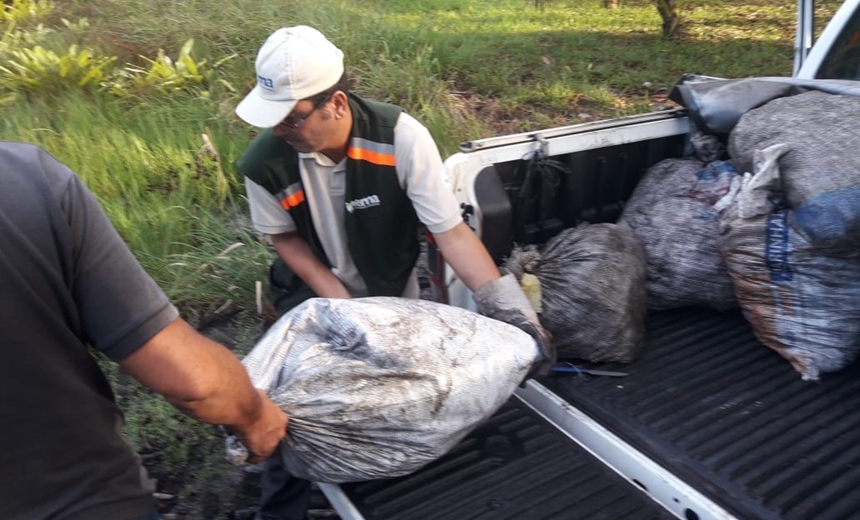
column 843, row 60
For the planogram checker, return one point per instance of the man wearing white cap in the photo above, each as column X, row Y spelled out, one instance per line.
column 340, row 184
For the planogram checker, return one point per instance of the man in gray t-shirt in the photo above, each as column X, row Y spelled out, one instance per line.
column 67, row 283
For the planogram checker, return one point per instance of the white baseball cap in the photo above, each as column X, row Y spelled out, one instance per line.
column 294, row 63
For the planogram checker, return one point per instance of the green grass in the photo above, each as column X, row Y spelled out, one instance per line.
column 171, row 200
column 439, row 59
column 536, row 65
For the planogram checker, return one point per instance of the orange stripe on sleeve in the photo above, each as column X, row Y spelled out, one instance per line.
column 362, row 154
column 293, row 200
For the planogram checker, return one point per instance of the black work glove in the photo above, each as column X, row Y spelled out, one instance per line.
column 503, row 299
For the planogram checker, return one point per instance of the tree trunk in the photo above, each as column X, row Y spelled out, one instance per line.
column 668, row 10
column 610, row 4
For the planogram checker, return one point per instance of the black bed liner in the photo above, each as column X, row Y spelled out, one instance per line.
column 514, row 466
column 732, row 418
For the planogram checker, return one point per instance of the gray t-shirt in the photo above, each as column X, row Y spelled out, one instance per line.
column 67, row 281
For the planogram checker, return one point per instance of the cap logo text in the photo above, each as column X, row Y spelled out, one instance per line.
column 266, row 82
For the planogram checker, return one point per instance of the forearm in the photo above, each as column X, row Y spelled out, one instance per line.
column 466, row 254
column 197, row 375
column 228, row 399
column 297, row 254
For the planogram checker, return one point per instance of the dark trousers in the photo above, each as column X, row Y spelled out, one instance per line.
column 152, row 515
column 283, row 496
column 286, row 289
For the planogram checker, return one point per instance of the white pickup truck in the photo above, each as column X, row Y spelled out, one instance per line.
column 707, row 424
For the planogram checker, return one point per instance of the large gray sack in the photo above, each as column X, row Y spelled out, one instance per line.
column 379, row 387
column 592, row 286
column 672, row 213
column 821, row 171
column 799, row 301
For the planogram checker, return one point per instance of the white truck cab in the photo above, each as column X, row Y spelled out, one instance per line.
column 836, row 52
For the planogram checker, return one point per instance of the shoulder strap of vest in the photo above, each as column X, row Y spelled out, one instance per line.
column 373, row 117
column 258, row 162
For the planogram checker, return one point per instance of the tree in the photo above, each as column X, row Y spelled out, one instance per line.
column 668, row 10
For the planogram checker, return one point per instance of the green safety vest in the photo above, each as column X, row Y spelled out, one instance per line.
column 381, row 224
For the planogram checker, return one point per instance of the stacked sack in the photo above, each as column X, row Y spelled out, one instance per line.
column 672, row 213
column 791, row 232
column 820, row 172
column 591, row 296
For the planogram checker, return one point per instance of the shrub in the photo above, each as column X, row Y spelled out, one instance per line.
column 165, row 75
column 39, row 69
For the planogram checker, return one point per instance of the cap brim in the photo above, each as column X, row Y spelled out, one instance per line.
column 263, row 113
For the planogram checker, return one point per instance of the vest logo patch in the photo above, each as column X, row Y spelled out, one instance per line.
column 363, row 203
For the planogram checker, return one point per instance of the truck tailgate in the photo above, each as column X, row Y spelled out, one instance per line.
column 732, row 418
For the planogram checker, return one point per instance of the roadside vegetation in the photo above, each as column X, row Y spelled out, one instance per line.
column 137, row 96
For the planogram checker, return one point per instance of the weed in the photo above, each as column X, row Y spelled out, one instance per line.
column 43, row 70
column 165, row 75
column 16, row 10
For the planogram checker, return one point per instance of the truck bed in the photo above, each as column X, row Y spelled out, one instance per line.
column 706, row 401
column 731, row 418
column 709, row 423
column 515, row 466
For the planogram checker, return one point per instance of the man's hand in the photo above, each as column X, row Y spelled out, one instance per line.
column 208, row 382
column 263, row 436
column 503, row 299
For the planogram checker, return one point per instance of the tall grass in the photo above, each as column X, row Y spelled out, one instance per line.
column 466, row 68
column 170, row 197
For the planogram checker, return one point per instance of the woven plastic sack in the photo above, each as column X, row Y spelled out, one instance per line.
column 379, row 387
column 800, row 302
column 592, row 291
column 821, row 172
column 672, row 213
